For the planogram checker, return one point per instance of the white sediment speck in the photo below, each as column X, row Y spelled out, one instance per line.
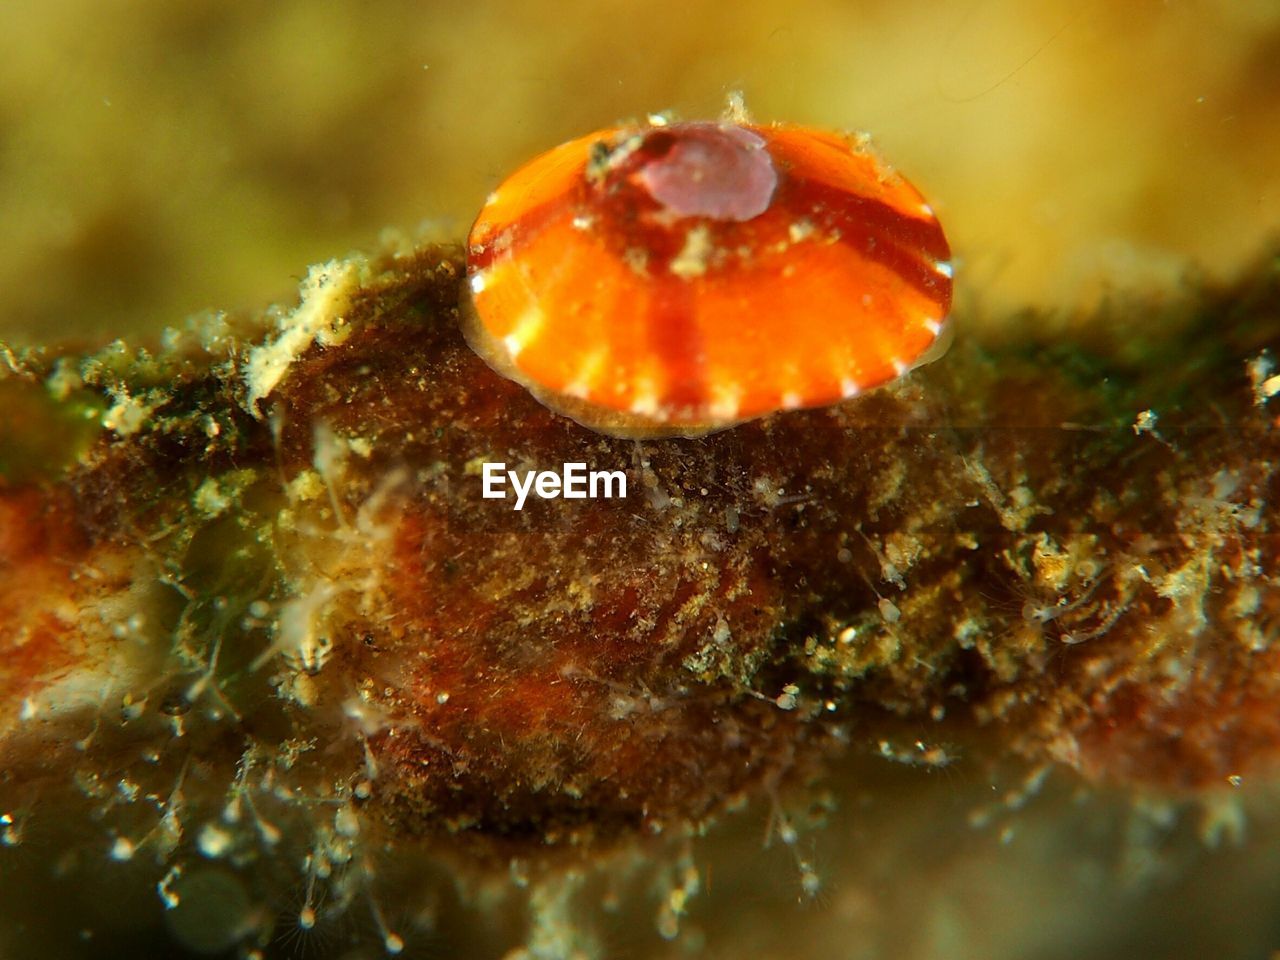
column 213, row 841
column 326, row 295
column 799, row 229
column 477, row 282
column 693, row 257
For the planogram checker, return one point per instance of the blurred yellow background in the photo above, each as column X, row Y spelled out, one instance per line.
column 158, row 158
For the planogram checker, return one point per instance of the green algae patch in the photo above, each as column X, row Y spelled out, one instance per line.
column 44, row 434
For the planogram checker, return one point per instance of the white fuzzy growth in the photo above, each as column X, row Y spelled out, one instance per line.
column 735, row 109
column 336, row 572
column 326, row 296
column 301, row 636
column 128, row 415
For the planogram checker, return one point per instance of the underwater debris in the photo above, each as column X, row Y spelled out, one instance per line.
column 275, row 627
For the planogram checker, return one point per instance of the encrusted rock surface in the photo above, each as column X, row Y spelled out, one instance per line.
column 256, row 613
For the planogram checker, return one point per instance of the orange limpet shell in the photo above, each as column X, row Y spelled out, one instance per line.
column 675, row 279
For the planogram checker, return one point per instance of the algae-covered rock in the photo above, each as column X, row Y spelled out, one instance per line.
column 264, row 633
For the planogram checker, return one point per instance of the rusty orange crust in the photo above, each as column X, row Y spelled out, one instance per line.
column 587, row 290
column 39, row 638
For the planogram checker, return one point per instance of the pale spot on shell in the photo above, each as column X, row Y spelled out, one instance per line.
column 692, row 259
column 725, row 404
column 645, row 405
column 526, row 329
column 799, row 230
column 646, row 402
column 588, row 374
